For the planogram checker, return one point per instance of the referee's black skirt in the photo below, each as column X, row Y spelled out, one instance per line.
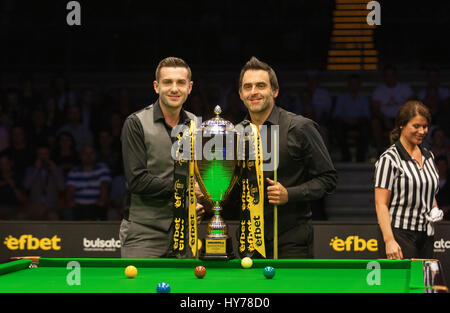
column 414, row 244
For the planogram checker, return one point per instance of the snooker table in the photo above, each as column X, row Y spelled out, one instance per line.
column 53, row 275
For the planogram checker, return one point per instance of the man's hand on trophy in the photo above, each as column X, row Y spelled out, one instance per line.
column 198, row 192
column 200, row 212
column 276, row 193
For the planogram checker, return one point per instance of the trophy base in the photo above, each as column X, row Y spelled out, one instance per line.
column 217, row 249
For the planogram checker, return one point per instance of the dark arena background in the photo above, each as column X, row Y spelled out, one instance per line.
column 66, row 83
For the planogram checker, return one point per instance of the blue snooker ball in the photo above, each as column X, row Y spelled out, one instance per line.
column 269, row 272
column 163, row 288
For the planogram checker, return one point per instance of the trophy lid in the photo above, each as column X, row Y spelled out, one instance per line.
column 217, row 125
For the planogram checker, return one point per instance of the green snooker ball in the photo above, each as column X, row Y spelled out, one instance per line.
column 269, row 272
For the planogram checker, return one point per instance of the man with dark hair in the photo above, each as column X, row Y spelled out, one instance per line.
column 351, row 114
column 387, row 99
column 305, row 171
column 148, row 164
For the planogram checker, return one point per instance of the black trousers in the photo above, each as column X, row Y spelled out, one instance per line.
column 414, row 244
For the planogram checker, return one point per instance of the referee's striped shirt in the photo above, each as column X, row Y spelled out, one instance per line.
column 413, row 189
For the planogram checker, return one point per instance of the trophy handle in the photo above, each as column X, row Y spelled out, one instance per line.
column 234, row 179
column 202, row 185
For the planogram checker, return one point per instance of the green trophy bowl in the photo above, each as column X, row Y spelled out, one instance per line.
column 216, row 178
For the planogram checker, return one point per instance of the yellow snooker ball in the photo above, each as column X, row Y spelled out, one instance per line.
column 246, row 262
column 131, row 271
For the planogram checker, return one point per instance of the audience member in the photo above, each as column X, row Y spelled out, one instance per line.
column 30, row 97
column 4, row 131
column 439, row 145
column 65, row 154
column 306, row 104
column 320, row 99
column 15, row 111
column 433, row 102
column 38, row 131
column 351, row 113
column 115, row 128
column 125, row 104
column 434, row 83
column 60, row 89
column 107, row 154
column 289, row 99
column 443, row 196
column 233, row 111
column 44, row 182
column 74, row 125
column 13, row 199
column 199, row 108
column 321, row 104
column 20, row 151
column 55, row 117
column 387, row 98
column 88, row 187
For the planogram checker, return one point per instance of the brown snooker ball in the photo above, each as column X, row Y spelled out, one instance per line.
column 200, row 271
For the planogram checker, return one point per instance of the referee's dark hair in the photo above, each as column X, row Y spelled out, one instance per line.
column 406, row 112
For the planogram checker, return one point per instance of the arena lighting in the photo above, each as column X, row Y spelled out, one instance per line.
column 352, row 45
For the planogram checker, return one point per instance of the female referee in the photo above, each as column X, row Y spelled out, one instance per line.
column 406, row 183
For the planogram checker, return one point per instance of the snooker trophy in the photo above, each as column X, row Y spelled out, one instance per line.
column 216, row 174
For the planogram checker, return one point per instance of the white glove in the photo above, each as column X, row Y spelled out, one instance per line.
column 435, row 215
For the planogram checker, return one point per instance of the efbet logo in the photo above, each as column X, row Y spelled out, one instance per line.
column 28, row 242
column 353, row 243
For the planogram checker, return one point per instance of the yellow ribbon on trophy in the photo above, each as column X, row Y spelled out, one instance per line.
column 256, row 204
column 192, row 212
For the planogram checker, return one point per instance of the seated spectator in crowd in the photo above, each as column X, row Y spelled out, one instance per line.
column 434, row 83
column 55, row 117
column 13, row 199
column 90, row 109
column 38, row 132
column 351, row 113
column 433, row 102
column 20, row 151
column 234, row 110
column 4, row 131
column 443, row 196
column 439, row 108
column 44, row 182
column 30, row 97
column 61, row 91
column 107, row 154
column 81, row 133
column 88, row 187
column 439, row 145
column 320, row 99
column 387, row 98
column 199, row 108
column 125, row 104
column 117, row 194
column 14, row 110
column 114, row 125
column 321, row 103
column 65, row 155
column 289, row 99
column 306, row 104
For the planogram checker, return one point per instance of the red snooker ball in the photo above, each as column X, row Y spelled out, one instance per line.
column 200, row 271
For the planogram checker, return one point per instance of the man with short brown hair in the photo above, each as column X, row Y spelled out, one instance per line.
column 149, row 166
